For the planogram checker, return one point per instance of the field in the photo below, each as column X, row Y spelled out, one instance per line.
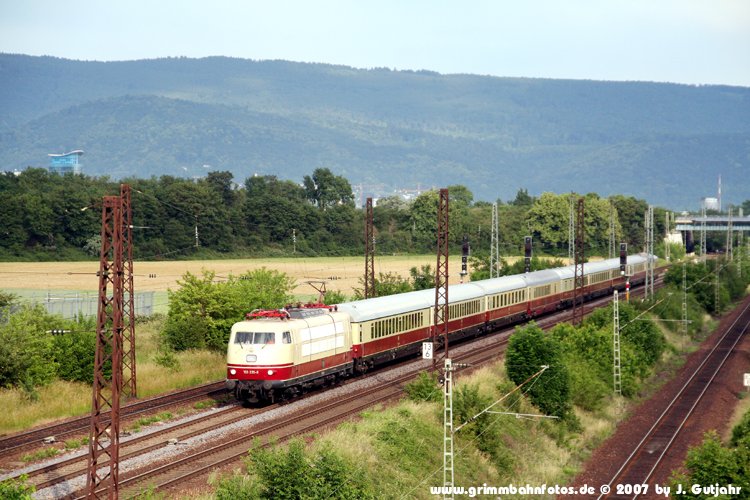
column 46, row 278
column 339, row 273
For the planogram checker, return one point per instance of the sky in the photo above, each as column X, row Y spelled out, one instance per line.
column 680, row 41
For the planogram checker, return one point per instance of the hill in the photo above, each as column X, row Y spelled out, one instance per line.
column 666, row 143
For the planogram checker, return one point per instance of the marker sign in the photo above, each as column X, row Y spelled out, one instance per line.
column 746, row 380
column 426, row 350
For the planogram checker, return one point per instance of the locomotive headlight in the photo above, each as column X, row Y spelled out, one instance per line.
column 233, row 371
column 270, row 372
column 251, row 358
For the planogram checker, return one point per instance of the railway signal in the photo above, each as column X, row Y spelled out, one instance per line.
column 527, row 254
column 464, row 257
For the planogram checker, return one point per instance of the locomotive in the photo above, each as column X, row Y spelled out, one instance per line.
column 278, row 354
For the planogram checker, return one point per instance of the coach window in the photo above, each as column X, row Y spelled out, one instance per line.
column 286, row 338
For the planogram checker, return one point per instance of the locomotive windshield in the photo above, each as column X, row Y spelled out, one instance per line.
column 254, row 338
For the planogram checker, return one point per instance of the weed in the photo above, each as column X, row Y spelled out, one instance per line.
column 41, row 454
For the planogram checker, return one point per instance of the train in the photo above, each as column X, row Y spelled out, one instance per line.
column 275, row 355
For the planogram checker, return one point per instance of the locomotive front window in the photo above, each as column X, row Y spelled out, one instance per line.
column 255, row 338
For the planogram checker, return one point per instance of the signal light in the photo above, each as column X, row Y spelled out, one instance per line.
column 527, row 253
column 623, row 257
column 464, row 256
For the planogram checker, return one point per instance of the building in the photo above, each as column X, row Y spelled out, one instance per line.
column 710, row 204
column 65, row 163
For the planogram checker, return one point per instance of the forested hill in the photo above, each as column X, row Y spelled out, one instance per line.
column 662, row 142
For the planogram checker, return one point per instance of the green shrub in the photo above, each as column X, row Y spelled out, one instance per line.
column 424, row 388
column 26, row 349
column 529, row 349
column 292, row 473
column 711, row 463
column 74, row 354
column 16, row 489
column 202, row 312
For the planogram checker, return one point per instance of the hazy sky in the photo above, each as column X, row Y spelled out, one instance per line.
column 685, row 41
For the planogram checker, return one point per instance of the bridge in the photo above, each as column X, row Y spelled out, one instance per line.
column 713, row 223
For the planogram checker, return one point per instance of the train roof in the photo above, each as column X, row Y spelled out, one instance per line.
column 391, row 305
column 542, row 277
column 502, row 284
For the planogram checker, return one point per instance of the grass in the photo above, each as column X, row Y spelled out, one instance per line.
column 73, row 444
column 41, row 454
column 144, row 421
column 742, row 407
column 400, row 448
column 68, row 399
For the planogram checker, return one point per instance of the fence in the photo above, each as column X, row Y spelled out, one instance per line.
column 70, row 305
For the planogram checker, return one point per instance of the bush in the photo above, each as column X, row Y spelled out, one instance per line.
column 528, row 350
column 467, row 404
column 201, row 312
column 74, row 354
column 16, row 489
column 424, row 388
column 26, row 349
column 711, row 463
column 292, row 473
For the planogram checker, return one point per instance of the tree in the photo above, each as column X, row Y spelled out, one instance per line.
column 549, row 219
column 275, row 209
column 631, row 215
column 385, row 284
column 325, row 190
column 422, row 278
column 530, row 349
column 423, row 220
column 522, row 199
column 202, row 312
column 221, row 183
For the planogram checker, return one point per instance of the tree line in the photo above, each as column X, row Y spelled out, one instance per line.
column 53, row 217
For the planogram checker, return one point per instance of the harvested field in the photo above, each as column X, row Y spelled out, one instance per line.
column 340, row 273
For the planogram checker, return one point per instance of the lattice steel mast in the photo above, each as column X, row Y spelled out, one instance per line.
column 703, row 233
column 494, row 245
column 730, row 237
column 440, row 322
column 617, row 375
column 666, row 236
column 369, row 251
column 128, row 344
column 648, row 292
column 579, row 280
column 572, row 231
column 612, row 246
column 684, row 301
column 448, row 472
column 104, row 434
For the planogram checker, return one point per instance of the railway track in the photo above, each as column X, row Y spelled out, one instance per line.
column 639, row 466
column 61, row 472
column 17, row 442
column 311, row 419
